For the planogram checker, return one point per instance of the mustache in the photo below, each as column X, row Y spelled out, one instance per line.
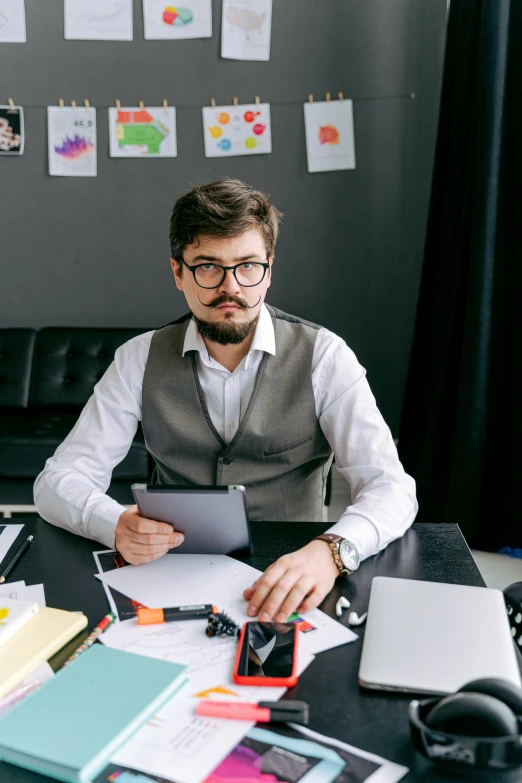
column 229, row 299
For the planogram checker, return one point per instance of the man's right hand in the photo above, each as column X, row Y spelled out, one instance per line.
column 140, row 539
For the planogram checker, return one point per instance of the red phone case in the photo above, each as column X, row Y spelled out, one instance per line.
column 287, row 682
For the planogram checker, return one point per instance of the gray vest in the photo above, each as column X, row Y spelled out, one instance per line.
column 279, row 452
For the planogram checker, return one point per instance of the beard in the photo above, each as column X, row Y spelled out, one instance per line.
column 226, row 332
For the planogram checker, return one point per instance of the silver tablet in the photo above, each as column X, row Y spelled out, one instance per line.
column 213, row 519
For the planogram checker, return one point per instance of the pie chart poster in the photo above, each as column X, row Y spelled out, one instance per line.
column 186, row 19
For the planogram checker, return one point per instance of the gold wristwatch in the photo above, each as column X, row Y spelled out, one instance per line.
column 344, row 552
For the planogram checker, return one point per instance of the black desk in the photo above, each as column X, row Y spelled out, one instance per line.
column 369, row 720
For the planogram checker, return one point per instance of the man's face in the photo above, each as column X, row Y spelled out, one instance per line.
column 227, row 310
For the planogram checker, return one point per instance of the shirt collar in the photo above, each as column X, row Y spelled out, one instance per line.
column 264, row 337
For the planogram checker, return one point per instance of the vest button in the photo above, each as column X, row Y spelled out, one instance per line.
column 226, row 460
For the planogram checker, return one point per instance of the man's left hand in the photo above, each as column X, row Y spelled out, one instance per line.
column 297, row 582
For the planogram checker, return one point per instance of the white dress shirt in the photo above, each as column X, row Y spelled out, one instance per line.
column 70, row 491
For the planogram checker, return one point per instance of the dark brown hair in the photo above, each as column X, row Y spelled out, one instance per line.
column 222, row 209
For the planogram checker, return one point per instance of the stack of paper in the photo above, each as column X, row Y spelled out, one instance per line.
column 19, row 591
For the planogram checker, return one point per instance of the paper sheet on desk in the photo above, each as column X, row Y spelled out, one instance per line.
column 177, row 739
column 176, row 580
column 8, row 535
column 19, row 591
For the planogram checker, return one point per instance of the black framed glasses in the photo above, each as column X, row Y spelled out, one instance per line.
column 209, row 275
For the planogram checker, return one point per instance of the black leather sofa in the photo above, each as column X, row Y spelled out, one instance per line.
column 46, row 377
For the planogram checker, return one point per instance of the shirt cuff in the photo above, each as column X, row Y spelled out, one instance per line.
column 360, row 531
column 103, row 523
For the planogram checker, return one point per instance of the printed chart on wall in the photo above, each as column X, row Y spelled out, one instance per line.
column 186, row 19
column 245, row 30
column 329, row 135
column 237, row 130
column 12, row 21
column 98, row 20
column 71, row 141
column 143, row 132
column 11, row 130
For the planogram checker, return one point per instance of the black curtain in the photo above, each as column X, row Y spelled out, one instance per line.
column 461, row 428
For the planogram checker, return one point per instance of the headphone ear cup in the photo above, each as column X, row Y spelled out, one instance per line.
column 501, row 689
column 473, row 715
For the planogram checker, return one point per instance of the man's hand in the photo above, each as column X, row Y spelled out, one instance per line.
column 297, row 582
column 140, row 539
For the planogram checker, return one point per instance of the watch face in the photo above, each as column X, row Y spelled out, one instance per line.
column 349, row 555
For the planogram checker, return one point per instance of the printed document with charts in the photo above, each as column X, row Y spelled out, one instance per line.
column 176, row 737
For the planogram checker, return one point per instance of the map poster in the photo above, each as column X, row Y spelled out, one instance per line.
column 12, row 21
column 164, row 19
column 148, row 132
column 71, row 141
column 246, row 29
column 11, row 130
column 329, row 135
column 237, row 130
column 98, row 20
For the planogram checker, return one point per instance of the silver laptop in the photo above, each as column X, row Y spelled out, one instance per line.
column 429, row 637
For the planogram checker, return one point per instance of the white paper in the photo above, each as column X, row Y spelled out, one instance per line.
column 71, row 141
column 98, row 20
column 19, row 591
column 237, row 130
column 178, row 739
column 143, row 133
column 186, row 19
column 177, row 580
column 329, row 135
column 245, row 29
column 12, row 21
column 8, row 534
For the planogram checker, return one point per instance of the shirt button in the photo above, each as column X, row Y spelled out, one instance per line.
column 226, row 460
column 232, row 425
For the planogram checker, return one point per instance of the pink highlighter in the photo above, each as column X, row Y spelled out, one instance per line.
column 263, row 712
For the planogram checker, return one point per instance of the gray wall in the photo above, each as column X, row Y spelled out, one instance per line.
column 94, row 252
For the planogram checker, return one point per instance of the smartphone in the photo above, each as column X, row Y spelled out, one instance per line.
column 267, row 654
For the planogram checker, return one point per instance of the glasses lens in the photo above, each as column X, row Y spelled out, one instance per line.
column 208, row 275
column 249, row 273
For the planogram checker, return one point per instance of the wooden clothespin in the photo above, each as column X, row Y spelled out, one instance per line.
column 213, row 103
column 87, row 104
column 118, row 104
column 11, row 104
column 328, row 97
column 165, row 103
column 310, row 98
column 141, row 104
column 73, row 104
column 235, row 101
column 61, row 103
column 340, row 96
column 257, row 101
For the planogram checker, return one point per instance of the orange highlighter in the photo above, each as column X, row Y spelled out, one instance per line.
column 190, row 612
column 263, row 712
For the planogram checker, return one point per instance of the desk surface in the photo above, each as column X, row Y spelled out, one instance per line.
column 376, row 722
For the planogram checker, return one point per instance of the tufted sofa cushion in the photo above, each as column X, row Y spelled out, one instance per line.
column 69, row 362
column 16, row 362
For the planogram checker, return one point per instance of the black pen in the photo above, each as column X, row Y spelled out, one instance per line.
column 25, row 546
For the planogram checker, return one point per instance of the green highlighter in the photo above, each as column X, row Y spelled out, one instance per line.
column 74, row 723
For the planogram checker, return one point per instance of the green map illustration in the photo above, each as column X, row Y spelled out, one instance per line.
column 140, row 129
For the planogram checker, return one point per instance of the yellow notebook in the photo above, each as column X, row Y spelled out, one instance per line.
column 36, row 642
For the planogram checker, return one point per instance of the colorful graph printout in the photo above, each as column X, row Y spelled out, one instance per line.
column 237, row 130
column 329, row 135
column 71, row 141
column 11, row 130
column 12, row 21
column 174, row 20
column 143, row 133
column 98, row 20
column 245, row 29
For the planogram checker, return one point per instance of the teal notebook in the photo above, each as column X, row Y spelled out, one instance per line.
column 72, row 726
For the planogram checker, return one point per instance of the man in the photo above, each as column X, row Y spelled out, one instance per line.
column 236, row 393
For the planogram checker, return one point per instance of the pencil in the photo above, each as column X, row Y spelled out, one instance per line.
column 100, row 628
column 25, row 546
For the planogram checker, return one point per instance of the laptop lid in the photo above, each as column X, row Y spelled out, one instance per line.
column 431, row 637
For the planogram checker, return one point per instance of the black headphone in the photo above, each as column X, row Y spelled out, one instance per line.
column 479, row 726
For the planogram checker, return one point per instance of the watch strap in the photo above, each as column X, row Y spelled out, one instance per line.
column 334, row 542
